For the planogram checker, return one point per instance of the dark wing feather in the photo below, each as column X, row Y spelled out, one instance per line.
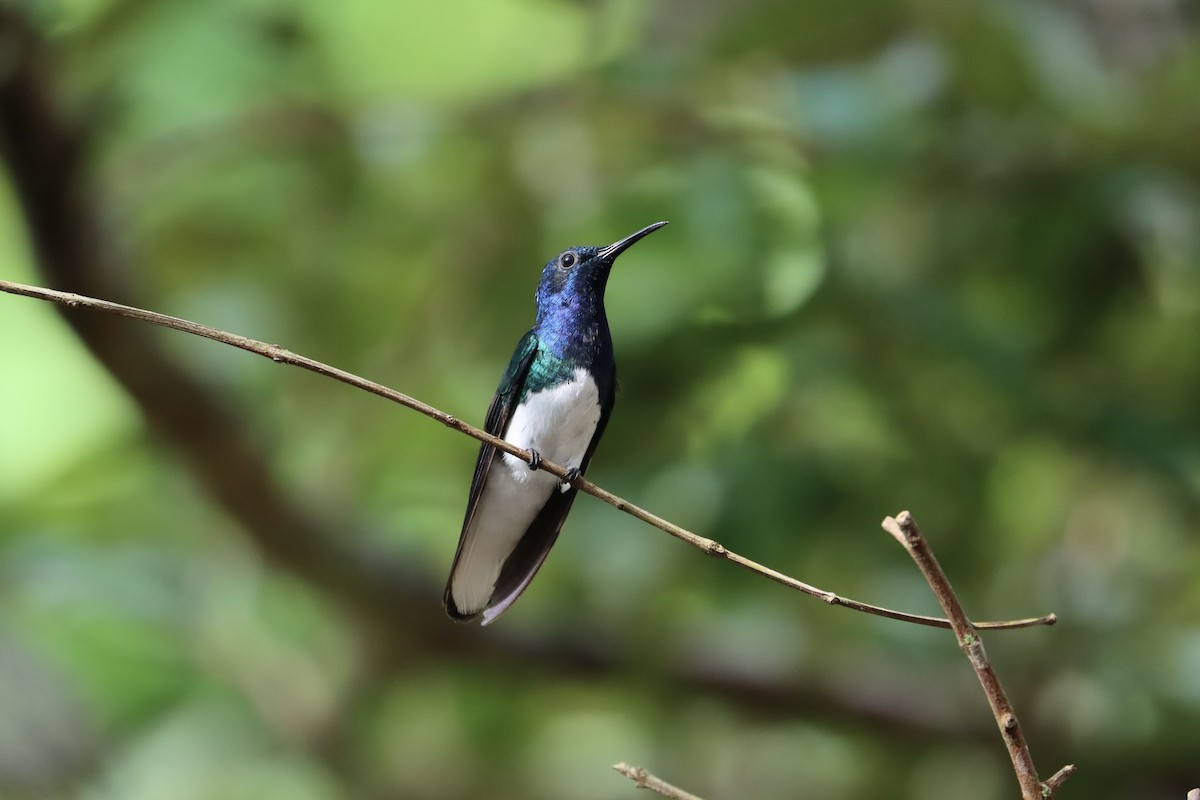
column 527, row 557
column 507, row 396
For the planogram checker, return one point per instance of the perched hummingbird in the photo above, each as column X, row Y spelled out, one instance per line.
column 554, row 400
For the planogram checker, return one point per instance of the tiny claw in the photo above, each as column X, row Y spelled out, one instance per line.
column 572, row 474
column 535, row 459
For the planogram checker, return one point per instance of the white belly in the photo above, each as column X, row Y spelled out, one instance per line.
column 558, row 423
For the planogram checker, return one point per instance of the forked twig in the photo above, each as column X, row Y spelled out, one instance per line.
column 904, row 528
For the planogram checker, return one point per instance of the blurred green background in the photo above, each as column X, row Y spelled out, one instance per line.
column 924, row 254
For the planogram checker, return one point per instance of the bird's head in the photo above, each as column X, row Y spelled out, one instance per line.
column 574, row 280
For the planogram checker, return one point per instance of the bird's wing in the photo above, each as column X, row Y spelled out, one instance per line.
column 527, row 557
column 507, row 396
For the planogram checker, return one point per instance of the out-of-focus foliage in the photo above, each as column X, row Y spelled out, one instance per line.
column 932, row 255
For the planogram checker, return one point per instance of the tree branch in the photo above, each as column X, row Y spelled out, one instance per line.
column 904, row 528
column 644, row 780
column 282, row 356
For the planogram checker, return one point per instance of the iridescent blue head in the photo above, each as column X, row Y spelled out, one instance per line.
column 570, row 296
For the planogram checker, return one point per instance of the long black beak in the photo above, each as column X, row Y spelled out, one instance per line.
column 616, row 248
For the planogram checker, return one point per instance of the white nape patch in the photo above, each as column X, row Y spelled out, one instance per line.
column 559, row 423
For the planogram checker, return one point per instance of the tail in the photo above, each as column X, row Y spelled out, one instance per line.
column 517, row 570
column 452, row 608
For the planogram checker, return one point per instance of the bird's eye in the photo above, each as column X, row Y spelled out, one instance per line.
column 567, row 260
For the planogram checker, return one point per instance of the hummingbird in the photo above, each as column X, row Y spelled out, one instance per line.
column 554, row 400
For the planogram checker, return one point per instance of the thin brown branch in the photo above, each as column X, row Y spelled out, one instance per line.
column 644, row 780
column 281, row 355
column 904, row 528
column 47, row 158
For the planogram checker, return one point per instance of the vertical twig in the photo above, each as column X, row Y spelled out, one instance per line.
column 904, row 528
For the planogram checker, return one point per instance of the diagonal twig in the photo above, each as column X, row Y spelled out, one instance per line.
column 644, row 780
column 904, row 528
column 283, row 356
column 1060, row 777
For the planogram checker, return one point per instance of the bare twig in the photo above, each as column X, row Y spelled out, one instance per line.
column 904, row 528
column 644, row 780
column 283, row 356
column 1060, row 777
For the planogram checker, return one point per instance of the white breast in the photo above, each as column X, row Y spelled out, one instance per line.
column 559, row 423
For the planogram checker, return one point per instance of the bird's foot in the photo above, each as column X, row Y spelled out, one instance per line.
column 572, row 474
column 535, row 459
